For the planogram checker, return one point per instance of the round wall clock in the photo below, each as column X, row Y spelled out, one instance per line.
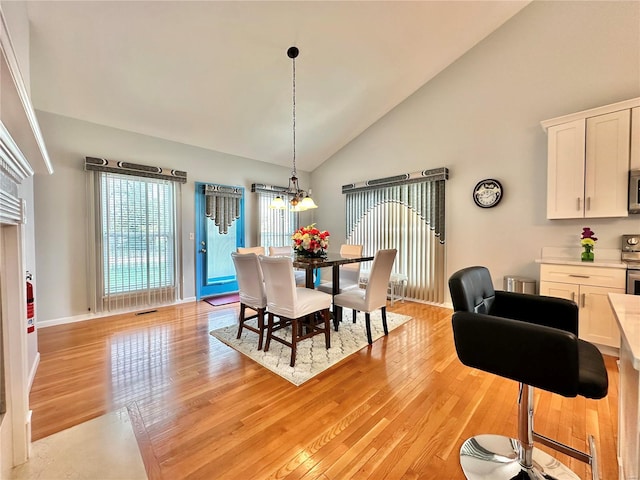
column 487, row 193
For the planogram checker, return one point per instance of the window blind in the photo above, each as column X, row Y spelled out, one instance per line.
column 276, row 226
column 135, row 242
column 405, row 212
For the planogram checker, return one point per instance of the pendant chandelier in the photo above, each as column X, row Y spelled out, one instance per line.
column 298, row 198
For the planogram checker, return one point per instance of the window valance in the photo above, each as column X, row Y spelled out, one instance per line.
column 262, row 188
column 432, row 175
column 127, row 168
column 222, row 205
column 422, row 192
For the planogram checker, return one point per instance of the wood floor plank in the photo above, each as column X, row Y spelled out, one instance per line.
column 400, row 408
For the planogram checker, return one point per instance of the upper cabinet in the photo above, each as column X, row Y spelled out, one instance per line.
column 589, row 160
column 635, row 138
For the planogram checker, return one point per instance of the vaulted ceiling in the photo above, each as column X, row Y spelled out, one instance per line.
column 216, row 75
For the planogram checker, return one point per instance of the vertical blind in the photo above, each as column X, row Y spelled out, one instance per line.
column 135, row 243
column 276, row 226
column 405, row 212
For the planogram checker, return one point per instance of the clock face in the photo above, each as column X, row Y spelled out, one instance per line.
column 487, row 193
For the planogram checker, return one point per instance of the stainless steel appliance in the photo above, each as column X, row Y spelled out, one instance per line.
column 631, row 256
column 634, row 191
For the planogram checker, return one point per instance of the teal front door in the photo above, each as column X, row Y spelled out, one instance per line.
column 215, row 272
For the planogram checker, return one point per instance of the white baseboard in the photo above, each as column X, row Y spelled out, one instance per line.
column 34, row 369
column 93, row 316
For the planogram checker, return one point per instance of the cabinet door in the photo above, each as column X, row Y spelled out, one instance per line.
column 597, row 320
column 565, row 174
column 635, row 139
column 607, row 165
column 567, row 291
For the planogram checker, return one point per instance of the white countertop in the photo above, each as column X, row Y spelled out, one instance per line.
column 595, row 263
column 605, row 257
column 627, row 311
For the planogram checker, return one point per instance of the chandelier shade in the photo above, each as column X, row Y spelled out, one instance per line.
column 299, row 200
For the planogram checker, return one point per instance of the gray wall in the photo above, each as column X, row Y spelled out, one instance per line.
column 481, row 119
column 61, row 213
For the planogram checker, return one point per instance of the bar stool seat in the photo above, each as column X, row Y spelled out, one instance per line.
column 533, row 340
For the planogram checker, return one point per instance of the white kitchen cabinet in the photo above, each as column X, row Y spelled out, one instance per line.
column 565, row 170
column 635, row 138
column 588, row 160
column 588, row 286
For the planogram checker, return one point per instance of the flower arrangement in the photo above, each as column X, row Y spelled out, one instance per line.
column 588, row 241
column 310, row 242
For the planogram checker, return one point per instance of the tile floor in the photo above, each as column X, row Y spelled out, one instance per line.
column 104, row 448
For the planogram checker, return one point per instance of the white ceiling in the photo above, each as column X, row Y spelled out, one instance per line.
column 216, row 75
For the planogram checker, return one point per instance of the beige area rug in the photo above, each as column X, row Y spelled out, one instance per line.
column 312, row 357
column 104, row 448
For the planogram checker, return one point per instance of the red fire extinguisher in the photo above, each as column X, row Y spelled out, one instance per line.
column 30, row 306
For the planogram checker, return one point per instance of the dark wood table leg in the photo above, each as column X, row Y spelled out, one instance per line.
column 308, row 279
column 308, row 283
column 337, row 311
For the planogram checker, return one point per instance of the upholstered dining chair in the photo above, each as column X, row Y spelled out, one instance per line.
column 252, row 293
column 257, row 250
column 533, row 340
column 374, row 296
column 349, row 273
column 294, row 306
column 287, row 251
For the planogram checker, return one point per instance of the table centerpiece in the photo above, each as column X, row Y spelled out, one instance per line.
column 310, row 242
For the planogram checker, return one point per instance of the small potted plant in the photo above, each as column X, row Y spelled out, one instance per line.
column 588, row 241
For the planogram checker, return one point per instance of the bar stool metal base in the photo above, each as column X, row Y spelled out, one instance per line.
column 495, row 457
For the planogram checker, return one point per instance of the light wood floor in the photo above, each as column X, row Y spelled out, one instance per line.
column 399, row 409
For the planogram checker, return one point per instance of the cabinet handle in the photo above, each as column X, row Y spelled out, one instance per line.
column 578, row 199
column 588, row 203
column 573, row 296
column 584, row 299
column 579, row 276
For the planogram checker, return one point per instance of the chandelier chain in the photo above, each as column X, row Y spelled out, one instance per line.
column 294, row 117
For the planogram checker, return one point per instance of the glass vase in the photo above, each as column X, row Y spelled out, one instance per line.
column 587, row 255
column 311, row 254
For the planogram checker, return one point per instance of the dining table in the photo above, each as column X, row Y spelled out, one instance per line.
column 333, row 260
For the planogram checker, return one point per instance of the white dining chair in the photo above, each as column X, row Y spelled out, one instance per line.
column 287, row 251
column 252, row 293
column 349, row 273
column 374, row 296
column 294, row 306
column 257, row 250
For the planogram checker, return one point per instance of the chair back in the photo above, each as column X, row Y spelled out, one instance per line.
column 472, row 290
column 257, row 250
column 286, row 251
column 348, row 249
column 280, row 285
column 250, row 279
column 350, row 272
column 376, row 293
